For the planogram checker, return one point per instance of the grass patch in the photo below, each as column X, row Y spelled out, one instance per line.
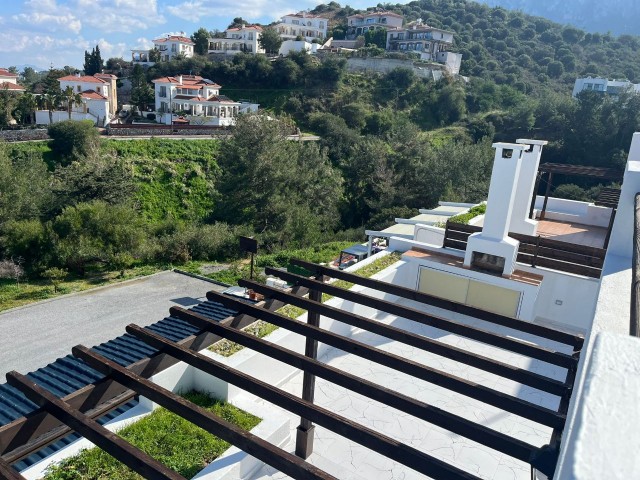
column 464, row 218
column 258, row 329
column 12, row 295
column 262, row 329
column 165, row 436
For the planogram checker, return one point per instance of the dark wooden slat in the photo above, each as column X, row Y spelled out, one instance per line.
column 345, row 427
column 567, row 267
column 453, row 423
column 26, row 435
column 108, row 441
column 500, row 400
column 418, row 341
column 563, row 255
column 8, row 473
column 457, row 235
column 582, row 170
column 514, row 323
column 454, row 244
column 634, row 327
column 255, row 446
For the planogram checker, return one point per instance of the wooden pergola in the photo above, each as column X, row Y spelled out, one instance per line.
column 307, row 293
column 609, row 197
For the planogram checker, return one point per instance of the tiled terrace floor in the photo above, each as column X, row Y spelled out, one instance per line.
column 348, row 460
column 572, row 232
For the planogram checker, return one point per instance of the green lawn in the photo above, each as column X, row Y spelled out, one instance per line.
column 170, row 439
column 12, row 295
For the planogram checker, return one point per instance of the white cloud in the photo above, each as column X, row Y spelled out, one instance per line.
column 49, row 22
column 251, row 10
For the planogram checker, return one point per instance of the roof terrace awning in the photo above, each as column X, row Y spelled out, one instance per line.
column 61, row 412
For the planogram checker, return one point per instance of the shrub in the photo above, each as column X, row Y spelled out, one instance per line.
column 72, row 139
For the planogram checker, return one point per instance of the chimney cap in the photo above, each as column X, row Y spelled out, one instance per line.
column 532, row 142
column 510, row 146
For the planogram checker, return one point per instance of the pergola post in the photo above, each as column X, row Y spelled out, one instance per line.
column 306, row 429
column 534, row 195
column 546, row 195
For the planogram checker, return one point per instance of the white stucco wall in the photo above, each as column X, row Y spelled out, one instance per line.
column 574, row 211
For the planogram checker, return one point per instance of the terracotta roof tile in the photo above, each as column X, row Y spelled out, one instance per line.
column 6, row 73
column 174, row 38
column 82, row 78
column 11, row 86
column 93, row 95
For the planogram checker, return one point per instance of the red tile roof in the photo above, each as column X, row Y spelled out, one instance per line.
column 104, row 75
column 174, row 38
column 11, row 86
column 6, row 73
column 82, row 78
column 373, row 14
column 305, row 15
column 93, row 95
column 212, row 99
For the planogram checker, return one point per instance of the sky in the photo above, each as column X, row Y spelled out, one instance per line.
column 58, row 32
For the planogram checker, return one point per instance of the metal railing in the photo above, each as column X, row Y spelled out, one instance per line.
column 634, row 327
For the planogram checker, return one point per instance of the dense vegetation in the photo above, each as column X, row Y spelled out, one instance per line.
column 165, row 436
column 388, row 144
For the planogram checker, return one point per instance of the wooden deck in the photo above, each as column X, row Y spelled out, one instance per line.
column 577, row 233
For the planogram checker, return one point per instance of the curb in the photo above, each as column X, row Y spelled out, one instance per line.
column 201, row 277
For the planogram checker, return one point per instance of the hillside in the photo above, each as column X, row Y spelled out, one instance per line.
column 515, row 48
column 616, row 16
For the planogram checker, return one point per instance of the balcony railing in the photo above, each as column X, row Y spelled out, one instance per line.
column 634, row 329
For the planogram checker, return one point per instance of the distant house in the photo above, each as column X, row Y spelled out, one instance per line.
column 197, row 100
column 242, row 39
column 431, row 43
column 9, row 81
column 304, row 25
column 169, row 46
column 361, row 23
column 99, row 101
column 603, row 85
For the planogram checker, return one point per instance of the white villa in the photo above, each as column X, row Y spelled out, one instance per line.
column 603, row 85
column 361, row 23
column 241, row 39
column 303, row 24
column 198, row 100
column 9, row 81
column 99, row 99
column 169, row 46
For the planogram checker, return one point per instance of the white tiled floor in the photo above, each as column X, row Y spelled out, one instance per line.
column 346, row 459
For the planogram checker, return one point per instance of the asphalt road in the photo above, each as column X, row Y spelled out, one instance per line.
column 37, row 334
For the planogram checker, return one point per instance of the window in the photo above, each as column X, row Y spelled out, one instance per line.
column 173, row 47
column 250, row 35
column 321, row 24
column 79, row 88
column 163, row 92
column 296, row 22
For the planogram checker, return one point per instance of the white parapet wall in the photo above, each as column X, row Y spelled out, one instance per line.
column 601, row 433
column 574, row 211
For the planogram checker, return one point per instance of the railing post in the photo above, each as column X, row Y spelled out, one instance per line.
column 634, row 327
column 305, row 431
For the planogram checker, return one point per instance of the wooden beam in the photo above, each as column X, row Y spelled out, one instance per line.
column 509, row 322
column 470, row 389
column 108, row 441
column 404, row 454
column 419, row 341
column 448, row 421
column 7, row 472
column 250, row 443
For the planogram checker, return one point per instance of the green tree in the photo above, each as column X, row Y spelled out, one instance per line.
column 238, row 22
column 70, row 98
column 8, row 102
column 25, row 108
column 201, row 40
column 376, row 37
column 154, row 55
column 55, row 276
column 73, row 140
column 270, row 40
column 93, row 61
column 142, row 93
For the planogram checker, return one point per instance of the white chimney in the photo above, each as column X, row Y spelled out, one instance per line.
column 180, row 79
column 520, row 221
column 492, row 249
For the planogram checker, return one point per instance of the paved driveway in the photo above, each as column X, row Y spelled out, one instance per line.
column 36, row 335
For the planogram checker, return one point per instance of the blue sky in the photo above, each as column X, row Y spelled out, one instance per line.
column 45, row 32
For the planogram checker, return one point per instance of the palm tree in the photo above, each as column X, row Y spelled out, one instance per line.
column 71, row 98
column 49, row 101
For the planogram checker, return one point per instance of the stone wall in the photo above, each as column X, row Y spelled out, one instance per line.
column 24, row 135
column 155, row 130
column 385, row 65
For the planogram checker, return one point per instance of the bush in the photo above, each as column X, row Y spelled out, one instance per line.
column 72, row 139
column 151, row 116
